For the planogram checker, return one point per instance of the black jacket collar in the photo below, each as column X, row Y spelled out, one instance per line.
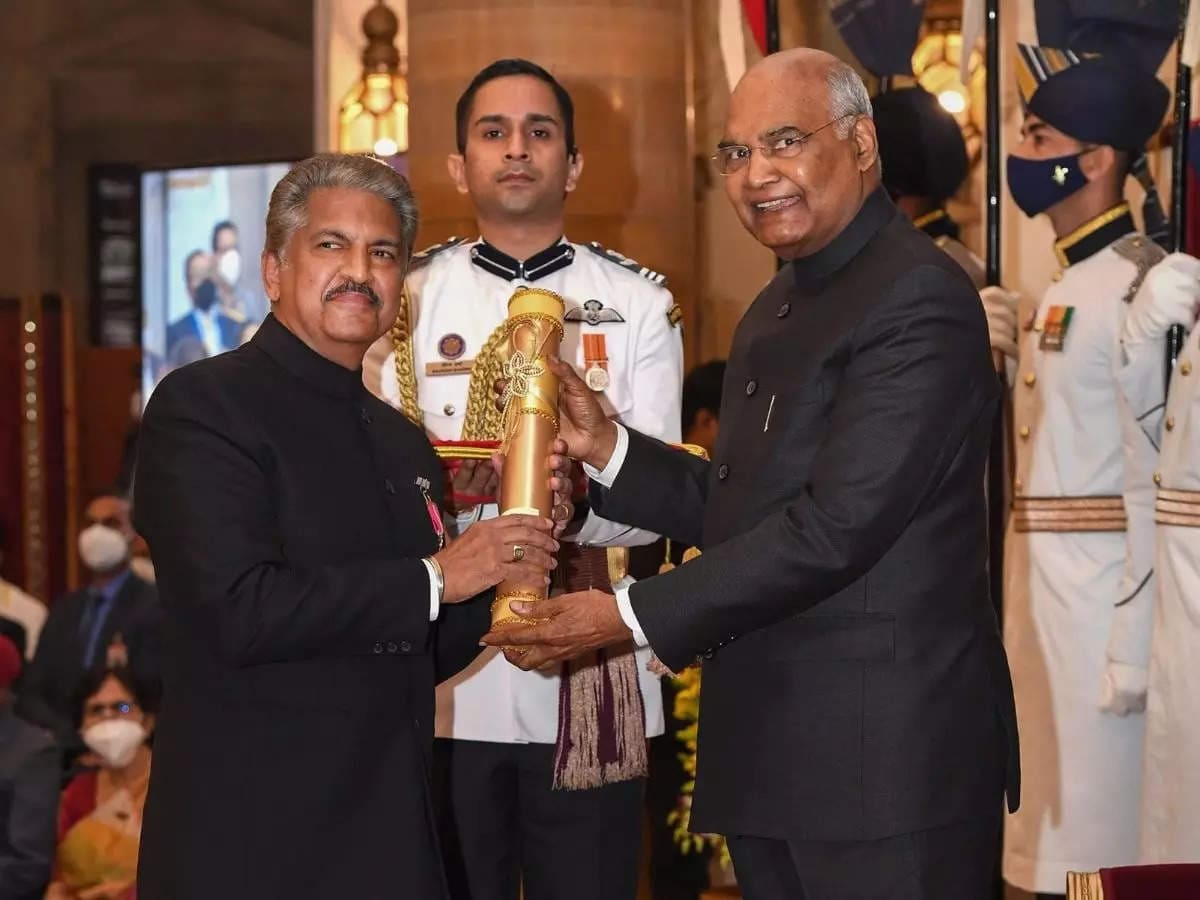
column 326, row 376
column 877, row 210
column 557, row 256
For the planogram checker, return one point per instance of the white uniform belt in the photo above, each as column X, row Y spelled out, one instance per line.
column 1177, row 508
column 1068, row 514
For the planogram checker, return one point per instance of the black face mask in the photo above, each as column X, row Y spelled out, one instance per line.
column 206, row 296
column 1038, row 184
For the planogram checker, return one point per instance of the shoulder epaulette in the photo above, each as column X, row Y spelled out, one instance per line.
column 626, row 263
column 423, row 257
column 1144, row 253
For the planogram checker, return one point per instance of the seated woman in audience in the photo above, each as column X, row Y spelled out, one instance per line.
column 100, row 816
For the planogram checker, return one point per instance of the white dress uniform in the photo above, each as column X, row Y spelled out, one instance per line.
column 458, row 295
column 1170, row 821
column 1078, row 563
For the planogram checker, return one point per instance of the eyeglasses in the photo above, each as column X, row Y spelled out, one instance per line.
column 119, row 709
column 787, row 144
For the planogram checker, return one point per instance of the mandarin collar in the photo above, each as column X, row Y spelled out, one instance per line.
column 557, row 256
column 877, row 210
column 278, row 342
column 1094, row 235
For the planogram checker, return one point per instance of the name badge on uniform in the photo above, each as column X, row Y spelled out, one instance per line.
column 595, row 362
column 1054, row 334
column 451, row 348
column 462, row 367
column 435, row 515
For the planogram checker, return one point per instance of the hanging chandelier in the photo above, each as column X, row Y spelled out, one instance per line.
column 374, row 113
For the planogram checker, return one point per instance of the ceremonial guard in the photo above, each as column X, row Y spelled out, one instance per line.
column 924, row 162
column 1078, row 583
column 1170, row 818
column 542, row 787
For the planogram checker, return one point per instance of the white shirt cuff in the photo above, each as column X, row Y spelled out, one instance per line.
column 625, row 608
column 609, row 473
column 434, row 606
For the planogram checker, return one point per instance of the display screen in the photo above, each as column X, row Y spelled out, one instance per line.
column 202, row 234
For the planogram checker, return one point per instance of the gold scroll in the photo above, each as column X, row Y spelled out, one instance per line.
column 535, row 330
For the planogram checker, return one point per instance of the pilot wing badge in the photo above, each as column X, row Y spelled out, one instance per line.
column 594, row 313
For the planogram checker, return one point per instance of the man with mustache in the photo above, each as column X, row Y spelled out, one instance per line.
column 530, row 797
column 311, row 599
column 857, row 726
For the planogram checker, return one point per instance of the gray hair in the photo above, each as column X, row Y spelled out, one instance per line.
column 288, row 209
column 847, row 97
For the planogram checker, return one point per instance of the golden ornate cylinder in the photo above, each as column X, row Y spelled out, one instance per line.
column 535, row 329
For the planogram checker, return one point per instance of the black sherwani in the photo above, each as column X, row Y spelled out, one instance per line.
column 855, row 686
column 281, row 505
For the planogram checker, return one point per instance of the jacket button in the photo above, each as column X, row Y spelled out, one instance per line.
column 723, row 472
column 378, row 648
column 405, row 647
column 366, row 417
column 449, row 409
column 1170, row 423
column 709, row 654
column 784, row 310
column 391, row 647
column 388, row 486
column 751, row 387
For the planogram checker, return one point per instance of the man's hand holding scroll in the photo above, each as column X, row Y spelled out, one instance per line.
column 571, row 624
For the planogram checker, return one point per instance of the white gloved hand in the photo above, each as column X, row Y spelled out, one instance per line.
column 1001, row 309
column 1169, row 295
column 1124, row 689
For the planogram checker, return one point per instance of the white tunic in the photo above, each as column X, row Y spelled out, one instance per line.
column 1170, row 822
column 450, row 295
column 1076, row 599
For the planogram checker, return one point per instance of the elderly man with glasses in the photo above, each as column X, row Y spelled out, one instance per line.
column 858, row 731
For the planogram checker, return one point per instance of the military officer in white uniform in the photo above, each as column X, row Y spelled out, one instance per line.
column 516, row 162
column 1170, row 821
column 1078, row 582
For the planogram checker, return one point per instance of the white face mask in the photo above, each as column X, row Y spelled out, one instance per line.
column 229, row 266
column 102, row 548
column 115, row 741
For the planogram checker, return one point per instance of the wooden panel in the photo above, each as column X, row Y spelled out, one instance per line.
column 106, row 379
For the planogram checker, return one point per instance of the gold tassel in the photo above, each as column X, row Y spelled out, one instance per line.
column 667, row 565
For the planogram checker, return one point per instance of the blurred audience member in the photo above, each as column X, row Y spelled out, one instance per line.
column 29, row 778
column 702, row 404
column 116, row 606
column 207, row 321
column 18, row 607
column 227, row 271
column 100, row 816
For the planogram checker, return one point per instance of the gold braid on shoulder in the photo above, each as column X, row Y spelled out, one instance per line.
column 484, row 421
column 406, row 376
